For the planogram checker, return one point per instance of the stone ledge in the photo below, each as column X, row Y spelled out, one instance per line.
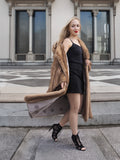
column 16, row 115
column 95, row 97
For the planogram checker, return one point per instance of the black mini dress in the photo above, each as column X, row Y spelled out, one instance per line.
column 75, row 60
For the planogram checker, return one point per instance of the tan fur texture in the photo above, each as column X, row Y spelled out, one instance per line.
column 59, row 74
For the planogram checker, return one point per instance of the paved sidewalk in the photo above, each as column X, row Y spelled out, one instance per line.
column 16, row 83
column 36, row 144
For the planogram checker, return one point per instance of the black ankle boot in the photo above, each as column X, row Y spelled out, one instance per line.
column 56, row 129
column 78, row 143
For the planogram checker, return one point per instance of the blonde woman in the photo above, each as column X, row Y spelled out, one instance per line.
column 77, row 58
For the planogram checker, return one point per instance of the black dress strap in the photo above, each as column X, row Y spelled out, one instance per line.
column 71, row 40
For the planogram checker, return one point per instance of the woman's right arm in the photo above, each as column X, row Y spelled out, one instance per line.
column 67, row 44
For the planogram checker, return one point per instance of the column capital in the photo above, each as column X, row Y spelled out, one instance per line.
column 76, row 4
column 95, row 12
column 114, row 11
column 10, row 5
column 30, row 12
column 49, row 4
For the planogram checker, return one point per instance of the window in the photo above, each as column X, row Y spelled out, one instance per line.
column 30, row 34
column 101, row 28
column 103, row 32
column 22, row 32
column 87, row 29
column 39, row 32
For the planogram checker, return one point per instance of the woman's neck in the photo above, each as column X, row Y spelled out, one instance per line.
column 74, row 37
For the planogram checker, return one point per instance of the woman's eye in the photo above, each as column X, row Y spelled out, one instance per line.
column 77, row 25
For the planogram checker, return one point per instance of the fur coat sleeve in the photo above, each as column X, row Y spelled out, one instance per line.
column 55, row 101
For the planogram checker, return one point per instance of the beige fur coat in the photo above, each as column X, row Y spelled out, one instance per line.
column 55, row 101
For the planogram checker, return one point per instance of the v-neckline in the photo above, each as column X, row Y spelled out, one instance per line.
column 75, row 43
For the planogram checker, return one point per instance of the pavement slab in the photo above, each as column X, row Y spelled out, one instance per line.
column 38, row 145
column 113, row 136
column 10, row 139
column 27, row 150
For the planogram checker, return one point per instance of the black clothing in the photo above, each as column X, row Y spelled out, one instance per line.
column 75, row 60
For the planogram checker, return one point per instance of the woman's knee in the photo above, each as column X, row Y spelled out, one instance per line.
column 74, row 109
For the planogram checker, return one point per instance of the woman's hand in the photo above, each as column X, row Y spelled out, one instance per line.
column 63, row 84
column 87, row 62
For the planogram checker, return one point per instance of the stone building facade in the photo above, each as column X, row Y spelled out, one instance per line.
column 28, row 28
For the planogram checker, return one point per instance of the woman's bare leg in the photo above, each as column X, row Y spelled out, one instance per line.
column 74, row 100
column 65, row 118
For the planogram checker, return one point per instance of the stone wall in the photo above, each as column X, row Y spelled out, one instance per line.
column 62, row 11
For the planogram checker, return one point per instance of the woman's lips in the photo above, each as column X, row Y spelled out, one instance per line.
column 76, row 31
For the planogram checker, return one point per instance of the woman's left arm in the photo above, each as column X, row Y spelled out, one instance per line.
column 88, row 63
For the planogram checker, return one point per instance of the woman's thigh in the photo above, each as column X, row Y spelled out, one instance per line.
column 74, row 101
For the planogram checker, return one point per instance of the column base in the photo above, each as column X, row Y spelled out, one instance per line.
column 95, row 56
column 50, row 60
column 116, row 61
column 30, row 57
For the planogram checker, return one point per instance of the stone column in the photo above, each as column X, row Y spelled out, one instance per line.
column 30, row 55
column 115, row 60
column 96, row 55
column 10, row 38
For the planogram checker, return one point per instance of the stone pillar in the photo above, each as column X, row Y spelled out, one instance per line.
column 115, row 59
column 30, row 55
column 10, row 15
column 96, row 55
column 75, row 6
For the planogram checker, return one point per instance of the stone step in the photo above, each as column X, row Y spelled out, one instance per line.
column 95, row 96
column 16, row 115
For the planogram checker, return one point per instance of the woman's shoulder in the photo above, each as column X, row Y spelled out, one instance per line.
column 67, row 44
column 67, row 41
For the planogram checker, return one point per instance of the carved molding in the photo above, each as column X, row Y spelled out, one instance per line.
column 30, row 12
column 95, row 1
column 114, row 11
column 49, row 4
column 95, row 12
column 76, row 5
column 44, row 3
column 79, row 3
column 10, row 8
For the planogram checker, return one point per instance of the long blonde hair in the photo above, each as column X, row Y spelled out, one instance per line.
column 65, row 31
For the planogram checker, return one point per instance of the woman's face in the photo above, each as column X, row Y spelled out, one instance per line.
column 74, row 27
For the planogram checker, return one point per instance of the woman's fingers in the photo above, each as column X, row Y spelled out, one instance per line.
column 87, row 62
column 63, row 84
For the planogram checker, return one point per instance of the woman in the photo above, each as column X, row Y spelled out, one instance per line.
column 69, row 82
column 75, row 90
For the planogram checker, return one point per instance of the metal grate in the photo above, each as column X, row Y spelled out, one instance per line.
column 105, row 57
column 21, row 57
column 39, row 57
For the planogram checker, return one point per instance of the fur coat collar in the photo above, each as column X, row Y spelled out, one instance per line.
column 55, row 101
